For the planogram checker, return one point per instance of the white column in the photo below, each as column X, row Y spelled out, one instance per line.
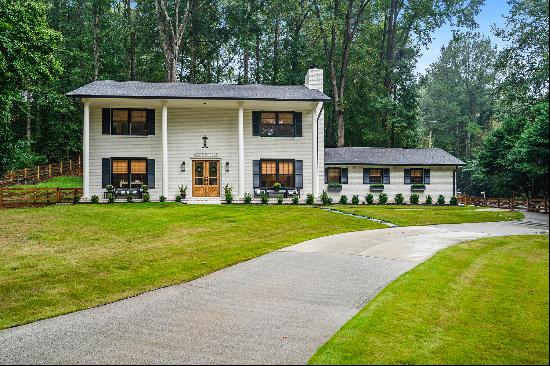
column 241, row 151
column 86, row 152
column 164, row 149
column 314, row 153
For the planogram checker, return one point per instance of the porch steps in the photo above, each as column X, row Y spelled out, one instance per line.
column 203, row 201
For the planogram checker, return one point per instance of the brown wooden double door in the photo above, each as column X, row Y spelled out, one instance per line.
column 206, row 178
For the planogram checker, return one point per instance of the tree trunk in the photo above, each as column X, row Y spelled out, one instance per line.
column 95, row 33
column 245, row 65
column 171, row 29
column 276, row 51
column 132, row 48
column 257, row 77
column 28, row 126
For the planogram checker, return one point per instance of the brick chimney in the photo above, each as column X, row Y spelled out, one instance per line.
column 314, row 78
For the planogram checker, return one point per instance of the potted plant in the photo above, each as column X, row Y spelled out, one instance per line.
column 277, row 186
column 376, row 187
column 334, row 187
column 110, row 193
column 418, row 187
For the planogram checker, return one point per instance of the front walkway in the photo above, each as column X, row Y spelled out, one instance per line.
column 278, row 308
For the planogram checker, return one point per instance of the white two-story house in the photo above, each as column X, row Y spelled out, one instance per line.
column 207, row 136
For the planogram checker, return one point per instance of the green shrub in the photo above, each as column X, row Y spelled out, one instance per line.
column 247, row 198
column 440, row 200
column 295, row 199
column 399, row 199
column 382, row 198
column 183, row 192
column 144, row 188
column 343, row 199
column 414, row 199
column 279, row 199
column 453, row 201
column 264, row 197
column 310, row 199
column 429, row 200
column 369, row 199
column 228, row 193
column 162, row 199
column 145, row 197
column 178, row 198
column 94, row 199
column 325, row 199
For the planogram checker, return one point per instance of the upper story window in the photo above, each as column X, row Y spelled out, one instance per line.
column 128, row 121
column 277, row 124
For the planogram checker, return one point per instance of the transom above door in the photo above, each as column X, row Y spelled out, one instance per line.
column 206, row 178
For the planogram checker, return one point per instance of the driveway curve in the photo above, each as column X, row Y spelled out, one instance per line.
column 275, row 309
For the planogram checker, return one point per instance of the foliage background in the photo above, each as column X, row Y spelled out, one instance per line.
column 488, row 107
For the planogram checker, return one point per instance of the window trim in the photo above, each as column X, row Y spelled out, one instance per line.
column 277, row 123
column 130, row 110
column 277, row 170
column 129, row 174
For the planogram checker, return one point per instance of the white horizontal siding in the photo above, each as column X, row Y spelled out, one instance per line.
column 186, row 127
column 441, row 178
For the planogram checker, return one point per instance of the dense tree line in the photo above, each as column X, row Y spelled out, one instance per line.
column 368, row 49
column 490, row 107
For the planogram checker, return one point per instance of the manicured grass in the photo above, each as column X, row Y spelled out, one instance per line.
column 57, row 182
column 480, row 302
column 407, row 215
column 59, row 259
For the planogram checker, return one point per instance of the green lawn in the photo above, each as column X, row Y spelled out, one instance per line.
column 57, row 182
column 59, row 259
column 407, row 215
column 479, row 302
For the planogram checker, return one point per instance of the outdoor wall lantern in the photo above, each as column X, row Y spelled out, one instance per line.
column 183, row 166
column 226, row 166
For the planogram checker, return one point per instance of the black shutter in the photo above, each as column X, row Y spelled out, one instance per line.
column 105, row 172
column 151, row 173
column 297, row 124
column 407, row 176
column 386, row 176
column 256, row 173
column 366, row 175
column 344, row 176
column 299, row 174
column 255, row 123
column 150, row 121
column 326, row 175
column 426, row 176
column 106, row 121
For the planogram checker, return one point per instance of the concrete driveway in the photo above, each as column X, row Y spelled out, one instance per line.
column 278, row 308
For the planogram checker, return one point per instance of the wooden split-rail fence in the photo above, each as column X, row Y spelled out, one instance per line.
column 19, row 197
column 42, row 173
column 512, row 203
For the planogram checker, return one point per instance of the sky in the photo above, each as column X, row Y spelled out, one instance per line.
column 492, row 13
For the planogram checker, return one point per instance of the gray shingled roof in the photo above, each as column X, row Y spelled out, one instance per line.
column 389, row 156
column 177, row 90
